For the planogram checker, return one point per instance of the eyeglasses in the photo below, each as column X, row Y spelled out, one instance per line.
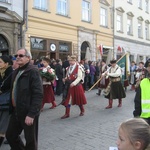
column 20, row 55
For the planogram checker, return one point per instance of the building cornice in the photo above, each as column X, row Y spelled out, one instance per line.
column 131, row 40
column 130, row 14
column 104, row 2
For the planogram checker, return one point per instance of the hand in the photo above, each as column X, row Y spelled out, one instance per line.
column 71, row 85
column 29, row 121
column 103, row 74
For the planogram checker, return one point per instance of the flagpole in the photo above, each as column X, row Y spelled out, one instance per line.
column 102, row 77
column 121, row 57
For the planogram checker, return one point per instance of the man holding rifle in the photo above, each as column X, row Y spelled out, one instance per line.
column 73, row 93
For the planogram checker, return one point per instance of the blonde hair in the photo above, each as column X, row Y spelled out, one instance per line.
column 137, row 129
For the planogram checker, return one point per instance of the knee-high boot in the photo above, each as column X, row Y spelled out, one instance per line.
column 119, row 102
column 110, row 104
column 99, row 92
column 81, row 110
column 1, row 140
column 67, row 113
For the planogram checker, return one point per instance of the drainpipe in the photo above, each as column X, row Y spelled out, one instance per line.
column 113, row 9
column 24, row 22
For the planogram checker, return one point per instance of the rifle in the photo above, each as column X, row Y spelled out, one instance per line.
column 65, row 91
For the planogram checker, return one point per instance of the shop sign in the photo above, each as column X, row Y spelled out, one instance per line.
column 37, row 43
column 63, row 48
column 53, row 47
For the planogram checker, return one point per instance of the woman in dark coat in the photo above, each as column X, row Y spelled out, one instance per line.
column 5, row 82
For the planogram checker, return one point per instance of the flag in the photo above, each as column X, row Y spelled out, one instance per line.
column 101, row 49
column 123, row 63
column 119, row 49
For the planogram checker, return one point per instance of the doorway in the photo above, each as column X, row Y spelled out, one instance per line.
column 84, row 48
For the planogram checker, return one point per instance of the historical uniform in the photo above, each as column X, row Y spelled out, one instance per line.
column 142, row 97
column 49, row 96
column 114, row 89
column 73, row 93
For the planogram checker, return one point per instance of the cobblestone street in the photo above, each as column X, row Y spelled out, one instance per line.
column 96, row 130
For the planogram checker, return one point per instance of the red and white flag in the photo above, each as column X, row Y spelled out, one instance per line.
column 101, row 49
column 119, row 49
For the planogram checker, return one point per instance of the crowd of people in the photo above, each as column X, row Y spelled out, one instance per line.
column 31, row 84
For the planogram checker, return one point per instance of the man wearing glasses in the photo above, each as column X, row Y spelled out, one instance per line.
column 26, row 99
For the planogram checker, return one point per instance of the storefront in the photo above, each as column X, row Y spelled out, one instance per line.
column 47, row 47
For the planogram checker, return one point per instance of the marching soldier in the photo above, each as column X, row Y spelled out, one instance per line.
column 73, row 93
column 114, row 89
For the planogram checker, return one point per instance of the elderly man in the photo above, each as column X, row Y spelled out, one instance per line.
column 73, row 80
column 26, row 96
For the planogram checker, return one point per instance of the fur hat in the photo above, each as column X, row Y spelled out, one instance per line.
column 113, row 61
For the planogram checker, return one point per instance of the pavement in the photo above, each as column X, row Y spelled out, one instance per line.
column 96, row 130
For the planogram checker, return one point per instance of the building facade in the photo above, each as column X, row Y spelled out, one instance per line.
column 59, row 28
column 132, row 29
column 11, row 18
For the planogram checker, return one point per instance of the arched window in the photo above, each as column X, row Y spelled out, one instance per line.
column 3, row 45
column 84, row 47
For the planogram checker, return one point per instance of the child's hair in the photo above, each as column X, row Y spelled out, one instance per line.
column 137, row 129
column 46, row 59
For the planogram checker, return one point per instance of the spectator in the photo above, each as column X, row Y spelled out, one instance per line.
column 59, row 77
column 26, row 96
column 134, row 134
column 92, row 73
column 5, row 82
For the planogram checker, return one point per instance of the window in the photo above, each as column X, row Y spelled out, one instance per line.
column 62, row 7
column 139, row 3
column 119, row 23
column 139, row 29
column 129, row 26
column 147, row 5
column 86, row 11
column 146, row 31
column 40, row 4
column 6, row 1
column 103, row 17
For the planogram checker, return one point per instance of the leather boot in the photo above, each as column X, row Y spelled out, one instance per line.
column 67, row 113
column 53, row 105
column 119, row 102
column 82, row 110
column 99, row 92
column 110, row 104
column 1, row 140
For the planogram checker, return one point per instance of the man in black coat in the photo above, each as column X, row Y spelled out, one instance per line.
column 26, row 96
column 59, row 76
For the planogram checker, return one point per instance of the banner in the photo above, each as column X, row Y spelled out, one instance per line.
column 101, row 49
column 124, row 65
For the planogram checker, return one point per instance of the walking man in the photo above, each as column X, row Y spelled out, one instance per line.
column 114, row 89
column 74, row 90
column 26, row 96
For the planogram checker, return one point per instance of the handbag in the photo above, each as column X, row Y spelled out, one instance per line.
column 4, row 100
